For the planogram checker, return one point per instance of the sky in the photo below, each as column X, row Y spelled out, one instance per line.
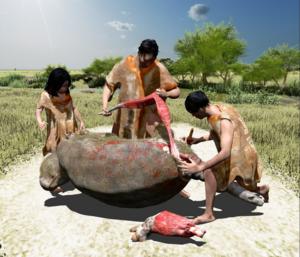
column 36, row 33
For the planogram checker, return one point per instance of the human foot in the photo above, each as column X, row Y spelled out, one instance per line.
column 264, row 192
column 205, row 218
column 197, row 231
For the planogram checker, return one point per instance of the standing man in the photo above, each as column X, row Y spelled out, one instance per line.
column 237, row 158
column 136, row 77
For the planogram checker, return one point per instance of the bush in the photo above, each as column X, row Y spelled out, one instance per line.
column 18, row 84
column 292, row 89
column 238, row 97
column 96, row 82
column 38, row 81
column 184, row 84
column 77, row 77
column 7, row 80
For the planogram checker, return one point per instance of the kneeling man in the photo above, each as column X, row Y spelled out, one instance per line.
column 237, row 158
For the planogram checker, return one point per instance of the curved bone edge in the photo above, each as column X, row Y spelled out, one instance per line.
column 251, row 197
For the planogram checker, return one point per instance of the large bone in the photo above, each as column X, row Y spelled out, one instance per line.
column 251, row 197
column 238, row 191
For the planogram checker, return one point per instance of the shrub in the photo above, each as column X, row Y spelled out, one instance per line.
column 38, row 81
column 18, row 84
column 237, row 96
column 5, row 81
column 96, row 82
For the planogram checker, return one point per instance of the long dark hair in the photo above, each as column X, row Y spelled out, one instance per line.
column 56, row 79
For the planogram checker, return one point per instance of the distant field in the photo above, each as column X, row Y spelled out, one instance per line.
column 28, row 73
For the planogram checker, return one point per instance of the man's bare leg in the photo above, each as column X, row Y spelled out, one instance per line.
column 210, row 191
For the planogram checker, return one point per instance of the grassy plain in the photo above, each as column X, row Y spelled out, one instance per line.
column 275, row 129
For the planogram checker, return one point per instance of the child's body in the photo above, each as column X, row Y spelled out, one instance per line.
column 62, row 115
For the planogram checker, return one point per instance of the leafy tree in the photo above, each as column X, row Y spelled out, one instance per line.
column 50, row 68
column 101, row 67
column 211, row 50
column 94, row 75
column 289, row 58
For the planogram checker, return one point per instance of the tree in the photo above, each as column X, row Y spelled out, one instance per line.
column 289, row 58
column 94, row 75
column 211, row 50
column 101, row 67
column 50, row 68
column 274, row 64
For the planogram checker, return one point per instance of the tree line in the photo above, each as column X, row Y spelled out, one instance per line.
column 210, row 51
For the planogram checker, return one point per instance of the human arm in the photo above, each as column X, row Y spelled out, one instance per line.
column 168, row 86
column 78, row 117
column 38, row 115
column 191, row 166
column 173, row 93
column 106, row 96
column 190, row 140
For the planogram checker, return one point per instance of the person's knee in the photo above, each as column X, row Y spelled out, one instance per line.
column 207, row 172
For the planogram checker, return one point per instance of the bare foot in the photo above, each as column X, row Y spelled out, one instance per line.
column 205, row 218
column 184, row 194
column 197, row 231
column 264, row 191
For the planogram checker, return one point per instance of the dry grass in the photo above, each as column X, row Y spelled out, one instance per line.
column 275, row 129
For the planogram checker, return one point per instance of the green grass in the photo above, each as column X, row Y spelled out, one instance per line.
column 275, row 129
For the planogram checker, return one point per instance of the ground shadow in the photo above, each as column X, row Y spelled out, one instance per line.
column 226, row 206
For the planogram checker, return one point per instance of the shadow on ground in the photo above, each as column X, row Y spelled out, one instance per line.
column 227, row 206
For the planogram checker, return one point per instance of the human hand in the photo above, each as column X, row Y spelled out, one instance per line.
column 189, row 139
column 190, row 164
column 162, row 93
column 42, row 125
column 81, row 126
column 105, row 113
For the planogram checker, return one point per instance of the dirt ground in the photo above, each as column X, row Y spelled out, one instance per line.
column 35, row 223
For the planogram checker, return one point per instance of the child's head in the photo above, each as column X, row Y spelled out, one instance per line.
column 59, row 81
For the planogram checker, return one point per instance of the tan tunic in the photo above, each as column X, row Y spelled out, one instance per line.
column 60, row 119
column 243, row 164
column 135, row 83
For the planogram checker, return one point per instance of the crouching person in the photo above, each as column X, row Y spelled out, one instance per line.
column 168, row 224
column 236, row 160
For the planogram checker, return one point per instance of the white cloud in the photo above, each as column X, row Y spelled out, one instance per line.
column 197, row 12
column 121, row 26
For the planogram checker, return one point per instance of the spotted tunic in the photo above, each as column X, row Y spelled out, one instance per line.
column 60, row 119
column 134, row 83
column 243, row 163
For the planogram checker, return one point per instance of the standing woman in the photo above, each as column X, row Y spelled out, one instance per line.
column 62, row 115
